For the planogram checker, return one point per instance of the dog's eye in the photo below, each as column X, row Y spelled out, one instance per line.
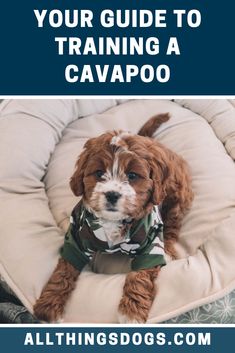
column 99, row 173
column 132, row 176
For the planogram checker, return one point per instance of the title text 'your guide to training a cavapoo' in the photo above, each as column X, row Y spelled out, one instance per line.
column 117, row 46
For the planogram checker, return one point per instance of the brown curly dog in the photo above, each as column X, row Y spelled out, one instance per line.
column 131, row 186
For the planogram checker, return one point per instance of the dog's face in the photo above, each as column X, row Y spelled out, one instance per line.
column 120, row 175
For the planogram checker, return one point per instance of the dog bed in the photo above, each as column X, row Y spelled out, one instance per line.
column 39, row 144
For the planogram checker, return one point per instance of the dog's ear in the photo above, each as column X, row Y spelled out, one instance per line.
column 160, row 173
column 76, row 181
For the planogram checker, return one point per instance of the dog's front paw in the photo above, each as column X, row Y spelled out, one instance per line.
column 132, row 312
column 49, row 310
column 138, row 295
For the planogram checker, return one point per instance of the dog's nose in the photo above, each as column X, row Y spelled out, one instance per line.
column 112, row 196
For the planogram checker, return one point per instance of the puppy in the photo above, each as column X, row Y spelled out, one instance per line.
column 130, row 186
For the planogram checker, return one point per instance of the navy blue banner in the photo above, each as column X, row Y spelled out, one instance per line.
column 163, row 47
column 102, row 339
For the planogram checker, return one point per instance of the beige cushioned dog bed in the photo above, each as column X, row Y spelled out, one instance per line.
column 39, row 144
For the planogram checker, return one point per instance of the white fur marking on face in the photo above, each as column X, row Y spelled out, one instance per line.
column 115, row 166
column 124, row 188
column 116, row 172
column 117, row 138
column 98, row 198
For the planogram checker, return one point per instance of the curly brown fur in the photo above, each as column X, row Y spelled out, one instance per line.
column 172, row 183
column 173, row 191
column 51, row 303
column 138, row 294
